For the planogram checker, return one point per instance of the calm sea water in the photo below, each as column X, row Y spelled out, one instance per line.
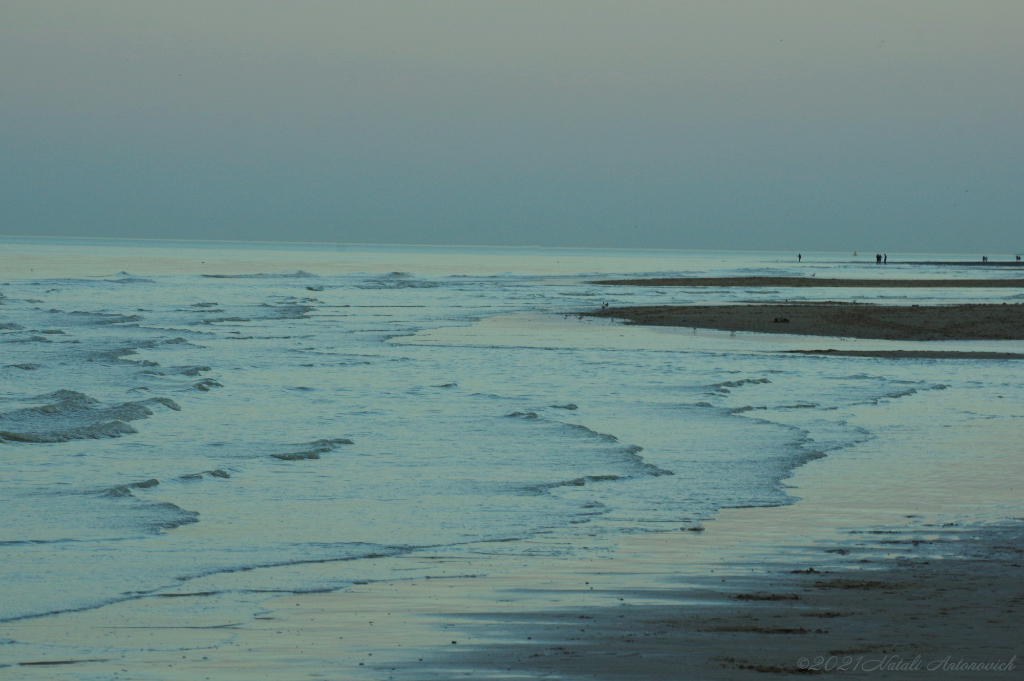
column 264, row 418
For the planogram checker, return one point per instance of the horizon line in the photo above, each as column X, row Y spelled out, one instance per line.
column 340, row 243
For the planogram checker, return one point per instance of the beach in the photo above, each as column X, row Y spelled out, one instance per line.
column 247, row 461
column 877, row 572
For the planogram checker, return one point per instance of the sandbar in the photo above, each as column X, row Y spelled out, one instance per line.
column 911, row 354
column 849, row 320
column 814, row 282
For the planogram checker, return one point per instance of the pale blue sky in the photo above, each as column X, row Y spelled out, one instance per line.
column 779, row 125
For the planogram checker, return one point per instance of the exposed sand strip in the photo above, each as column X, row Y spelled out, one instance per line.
column 962, row 263
column 814, row 282
column 883, row 322
column 912, row 354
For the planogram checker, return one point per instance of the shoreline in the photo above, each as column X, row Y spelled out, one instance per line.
column 849, row 320
column 940, row 610
column 912, row 555
column 888, row 557
column 813, row 282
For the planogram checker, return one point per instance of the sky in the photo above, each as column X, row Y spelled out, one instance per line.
column 803, row 125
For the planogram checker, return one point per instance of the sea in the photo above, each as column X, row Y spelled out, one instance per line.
column 252, row 419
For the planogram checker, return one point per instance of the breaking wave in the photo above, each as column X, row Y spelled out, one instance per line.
column 298, row 274
column 575, row 482
column 630, row 454
column 583, row 430
column 70, row 415
column 131, row 280
column 313, row 450
column 724, row 386
column 397, row 280
column 288, row 311
column 218, row 473
column 105, row 317
column 896, row 394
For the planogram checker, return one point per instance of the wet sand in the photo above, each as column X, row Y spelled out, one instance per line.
column 754, row 596
column 911, row 354
column 881, row 561
column 899, row 616
column 814, row 282
column 902, row 567
column 849, row 320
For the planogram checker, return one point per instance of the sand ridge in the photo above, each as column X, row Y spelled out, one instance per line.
column 814, row 282
column 850, row 320
column 910, row 354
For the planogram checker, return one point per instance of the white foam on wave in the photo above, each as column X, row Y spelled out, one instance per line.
column 70, row 415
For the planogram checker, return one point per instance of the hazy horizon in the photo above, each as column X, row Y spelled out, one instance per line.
column 788, row 253
column 783, row 126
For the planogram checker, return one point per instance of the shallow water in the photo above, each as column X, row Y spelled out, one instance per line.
column 261, row 418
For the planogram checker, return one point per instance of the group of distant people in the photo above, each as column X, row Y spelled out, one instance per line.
column 883, row 258
column 880, row 258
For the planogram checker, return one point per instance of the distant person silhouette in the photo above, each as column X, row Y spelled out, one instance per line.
column 885, row 258
column 878, row 258
column 799, row 257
